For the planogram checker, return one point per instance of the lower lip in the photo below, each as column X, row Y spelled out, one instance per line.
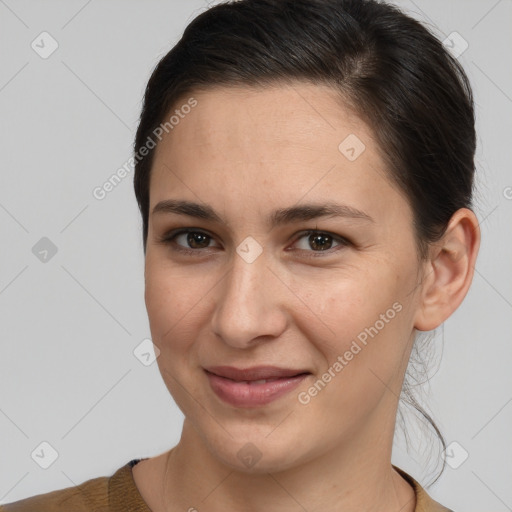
column 241, row 394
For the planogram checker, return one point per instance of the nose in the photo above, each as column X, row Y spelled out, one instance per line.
column 249, row 308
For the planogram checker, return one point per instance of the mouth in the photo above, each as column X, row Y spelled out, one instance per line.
column 253, row 387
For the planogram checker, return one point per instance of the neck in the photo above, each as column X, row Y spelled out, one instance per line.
column 355, row 476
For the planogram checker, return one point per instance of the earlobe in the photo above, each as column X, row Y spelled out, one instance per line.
column 450, row 271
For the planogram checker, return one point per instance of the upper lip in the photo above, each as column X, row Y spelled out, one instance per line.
column 253, row 373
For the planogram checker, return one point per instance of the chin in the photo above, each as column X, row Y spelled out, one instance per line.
column 258, row 456
column 260, row 463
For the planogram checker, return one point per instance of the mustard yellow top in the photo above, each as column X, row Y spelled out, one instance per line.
column 118, row 493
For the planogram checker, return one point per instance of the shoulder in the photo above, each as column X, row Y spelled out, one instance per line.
column 94, row 495
column 424, row 503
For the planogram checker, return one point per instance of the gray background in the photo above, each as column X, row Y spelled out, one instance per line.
column 69, row 326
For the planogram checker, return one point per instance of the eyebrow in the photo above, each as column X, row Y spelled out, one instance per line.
column 278, row 217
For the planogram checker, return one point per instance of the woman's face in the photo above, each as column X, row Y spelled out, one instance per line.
column 249, row 287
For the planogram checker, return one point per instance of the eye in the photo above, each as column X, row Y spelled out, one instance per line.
column 187, row 241
column 320, row 242
column 192, row 242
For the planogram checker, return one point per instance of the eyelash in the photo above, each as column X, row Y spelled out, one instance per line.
column 169, row 239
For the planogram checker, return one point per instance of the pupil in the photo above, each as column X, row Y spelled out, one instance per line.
column 195, row 238
column 320, row 240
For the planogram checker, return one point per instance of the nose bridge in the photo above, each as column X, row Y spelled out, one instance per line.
column 246, row 308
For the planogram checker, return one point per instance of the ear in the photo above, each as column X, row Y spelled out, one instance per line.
column 449, row 271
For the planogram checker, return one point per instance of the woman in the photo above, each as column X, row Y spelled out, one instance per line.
column 304, row 170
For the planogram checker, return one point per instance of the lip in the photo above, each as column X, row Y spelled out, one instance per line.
column 240, row 387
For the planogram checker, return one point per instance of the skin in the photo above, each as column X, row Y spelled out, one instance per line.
column 246, row 152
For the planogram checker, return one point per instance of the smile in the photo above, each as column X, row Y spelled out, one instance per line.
column 253, row 387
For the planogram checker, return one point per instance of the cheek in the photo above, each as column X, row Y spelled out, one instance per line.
column 171, row 299
column 360, row 367
column 362, row 316
column 172, row 311
column 372, row 325
column 346, row 303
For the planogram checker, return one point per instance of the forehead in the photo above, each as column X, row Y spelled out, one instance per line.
column 275, row 144
column 258, row 120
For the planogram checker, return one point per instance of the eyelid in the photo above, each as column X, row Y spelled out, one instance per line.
column 170, row 237
column 342, row 241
